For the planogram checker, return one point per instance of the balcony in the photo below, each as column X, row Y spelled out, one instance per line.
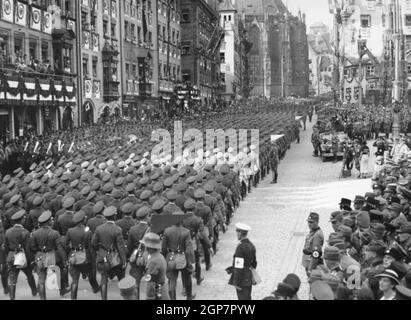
column 34, row 88
column 111, row 90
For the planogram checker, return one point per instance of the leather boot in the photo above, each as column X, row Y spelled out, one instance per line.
column 32, row 284
column 104, row 292
column 74, row 288
column 12, row 292
column 42, row 292
column 138, row 292
column 94, row 284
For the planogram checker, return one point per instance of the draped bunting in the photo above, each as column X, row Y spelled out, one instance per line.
column 29, row 90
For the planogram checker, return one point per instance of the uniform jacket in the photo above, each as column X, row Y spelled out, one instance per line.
column 244, row 259
column 64, row 222
column 96, row 221
column 136, row 234
column 77, row 238
column 107, row 237
column 17, row 238
column 126, row 224
column 50, row 239
column 178, row 239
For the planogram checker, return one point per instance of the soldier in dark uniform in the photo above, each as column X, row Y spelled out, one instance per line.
column 274, row 161
column 127, row 222
column 17, row 241
column 314, row 242
column 76, row 242
column 204, row 212
column 171, row 207
column 196, row 227
column 109, row 244
column 46, row 240
column 34, row 214
column 156, row 269
column 177, row 239
column 135, row 247
column 244, row 259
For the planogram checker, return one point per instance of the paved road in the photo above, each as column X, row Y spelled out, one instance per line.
column 277, row 214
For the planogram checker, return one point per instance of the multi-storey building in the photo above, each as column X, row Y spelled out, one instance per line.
column 139, row 52
column 278, row 59
column 37, row 66
column 321, row 58
column 201, row 37
column 231, row 51
column 100, row 67
column 169, row 52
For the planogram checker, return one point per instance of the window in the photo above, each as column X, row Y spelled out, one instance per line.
column 45, row 52
column 408, row 20
column 133, row 32
column 105, row 28
column 139, row 35
column 85, row 68
column 67, row 58
column 126, row 30
column 160, row 70
column 113, row 31
column 135, row 71
column 127, row 71
column 409, row 68
column 185, row 50
column 365, row 21
column 185, row 15
column 95, row 68
column 150, row 37
column 222, row 57
column 370, row 71
column 19, row 47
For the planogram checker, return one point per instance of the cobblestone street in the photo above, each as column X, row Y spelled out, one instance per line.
column 277, row 214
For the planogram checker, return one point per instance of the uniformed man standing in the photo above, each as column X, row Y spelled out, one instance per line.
column 244, row 259
column 314, row 242
column 177, row 240
column 77, row 242
column 17, row 242
column 274, row 161
column 111, row 251
column 44, row 241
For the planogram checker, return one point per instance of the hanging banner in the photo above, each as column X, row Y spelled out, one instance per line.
column 47, row 22
column 21, row 14
column 35, row 19
column 96, row 85
column 87, row 89
column 7, row 11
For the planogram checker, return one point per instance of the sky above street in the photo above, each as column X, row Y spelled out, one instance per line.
column 315, row 10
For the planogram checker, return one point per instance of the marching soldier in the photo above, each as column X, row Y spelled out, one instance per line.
column 177, row 241
column 274, row 161
column 244, row 259
column 111, row 252
column 127, row 222
column 314, row 242
column 17, row 243
column 196, row 227
column 46, row 243
column 77, row 243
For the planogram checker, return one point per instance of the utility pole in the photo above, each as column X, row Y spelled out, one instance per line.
column 397, row 81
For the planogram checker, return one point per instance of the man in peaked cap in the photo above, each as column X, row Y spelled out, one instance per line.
column 127, row 288
column 127, row 222
column 177, row 240
column 44, row 240
column 336, row 219
column 78, row 240
column 17, row 241
column 135, row 248
column 314, row 242
column 244, row 259
column 171, row 207
column 109, row 244
column 196, row 227
column 34, row 214
column 345, row 204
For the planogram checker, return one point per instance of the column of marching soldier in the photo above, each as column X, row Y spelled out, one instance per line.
column 92, row 212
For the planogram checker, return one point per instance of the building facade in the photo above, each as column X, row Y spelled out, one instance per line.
column 201, row 36
column 321, row 58
column 99, row 56
column 38, row 66
column 278, row 59
column 232, row 51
